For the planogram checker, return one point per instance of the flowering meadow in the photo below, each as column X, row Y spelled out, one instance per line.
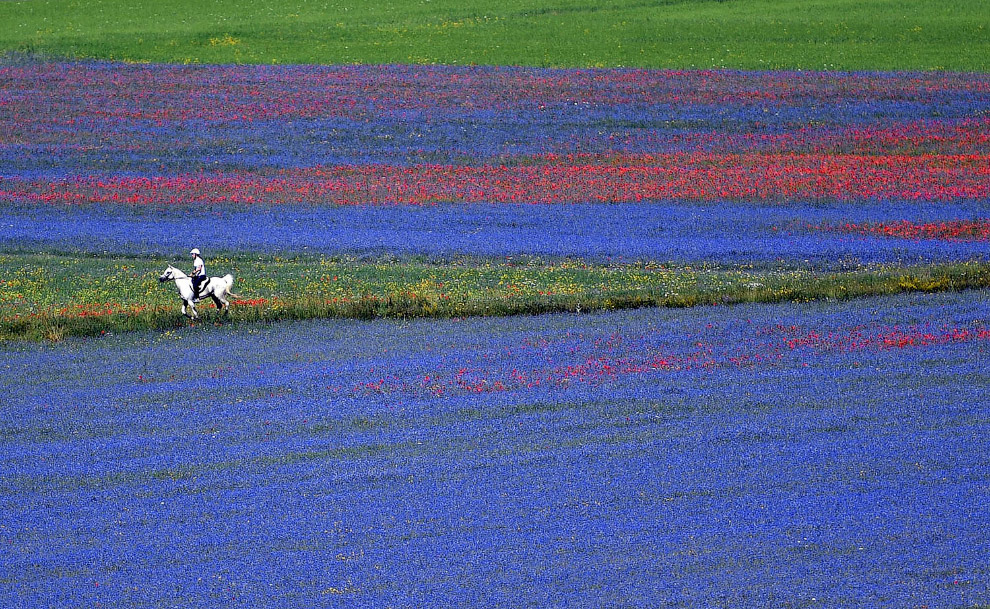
column 503, row 336
column 160, row 134
column 658, row 169
column 758, row 455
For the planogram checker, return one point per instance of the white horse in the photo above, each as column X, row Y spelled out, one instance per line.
column 216, row 288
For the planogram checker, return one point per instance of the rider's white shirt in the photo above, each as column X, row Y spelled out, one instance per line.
column 198, row 267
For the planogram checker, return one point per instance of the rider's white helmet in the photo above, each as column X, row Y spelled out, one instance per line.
column 194, row 251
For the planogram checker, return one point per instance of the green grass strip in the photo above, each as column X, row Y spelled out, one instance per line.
column 746, row 34
column 50, row 296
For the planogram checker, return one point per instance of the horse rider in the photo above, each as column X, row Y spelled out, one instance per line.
column 198, row 274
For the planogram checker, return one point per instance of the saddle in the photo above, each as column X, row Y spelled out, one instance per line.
column 199, row 288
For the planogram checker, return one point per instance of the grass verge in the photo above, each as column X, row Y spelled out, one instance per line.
column 48, row 297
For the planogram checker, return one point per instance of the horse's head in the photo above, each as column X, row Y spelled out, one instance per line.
column 168, row 275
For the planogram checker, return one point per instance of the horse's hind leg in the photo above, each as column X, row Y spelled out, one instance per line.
column 222, row 305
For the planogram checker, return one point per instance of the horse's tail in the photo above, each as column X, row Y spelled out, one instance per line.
column 228, row 280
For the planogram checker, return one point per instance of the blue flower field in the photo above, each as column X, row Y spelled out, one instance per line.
column 756, row 455
column 796, row 415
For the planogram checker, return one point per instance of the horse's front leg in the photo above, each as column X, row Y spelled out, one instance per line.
column 192, row 314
